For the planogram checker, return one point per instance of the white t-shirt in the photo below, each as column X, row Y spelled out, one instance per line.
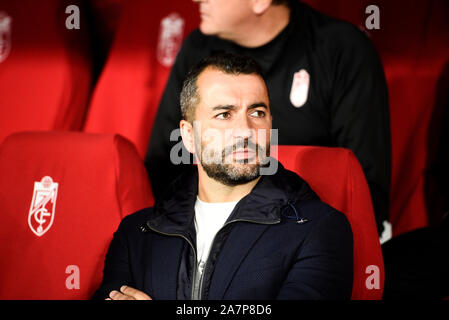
column 209, row 218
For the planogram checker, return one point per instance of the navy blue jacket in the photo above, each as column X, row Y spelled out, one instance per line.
column 280, row 242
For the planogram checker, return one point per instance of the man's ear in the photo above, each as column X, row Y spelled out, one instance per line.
column 260, row 6
column 187, row 135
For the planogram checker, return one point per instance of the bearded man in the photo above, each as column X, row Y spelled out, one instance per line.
column 326, row 82
column 231, row 228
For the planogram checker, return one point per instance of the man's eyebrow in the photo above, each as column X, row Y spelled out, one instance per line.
column 223, row 107
column 258, row 105
column 232, row 107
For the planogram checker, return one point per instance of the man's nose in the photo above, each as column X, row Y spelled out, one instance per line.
column 242, row 128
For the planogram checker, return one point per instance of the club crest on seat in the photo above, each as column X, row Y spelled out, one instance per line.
column 42, row 209
column 170, row 39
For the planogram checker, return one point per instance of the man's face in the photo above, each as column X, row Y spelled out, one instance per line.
column 232, row 126
column 223, row 17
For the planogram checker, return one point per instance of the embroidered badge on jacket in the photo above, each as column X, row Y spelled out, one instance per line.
column 300, row 88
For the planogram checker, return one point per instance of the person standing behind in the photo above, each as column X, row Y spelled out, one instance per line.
column 326, row 82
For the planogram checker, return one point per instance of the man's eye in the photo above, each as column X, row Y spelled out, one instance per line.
column 258, row 114
column 223, row 116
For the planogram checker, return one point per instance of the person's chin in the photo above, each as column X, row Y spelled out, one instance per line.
column 207, row 29
column 244, row 168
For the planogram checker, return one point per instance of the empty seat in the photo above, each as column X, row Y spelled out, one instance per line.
column 63, row 194
column 45, row 68
column 338, row 179
column 147, row 40
column 415, row 52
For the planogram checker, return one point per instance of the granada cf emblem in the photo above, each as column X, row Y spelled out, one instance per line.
column 42, row 210
column 170, row 39
column 300, row 88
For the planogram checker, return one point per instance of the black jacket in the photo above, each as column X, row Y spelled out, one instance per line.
column 262, row 252
column 347, row 103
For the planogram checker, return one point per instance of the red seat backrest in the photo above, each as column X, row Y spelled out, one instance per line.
column 337, row 177
column 45, row 68
column 415, row 52
column 100, row 179
column 413, row 42
column 127, row 95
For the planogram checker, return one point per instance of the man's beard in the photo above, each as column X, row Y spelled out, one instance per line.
column 236, row 171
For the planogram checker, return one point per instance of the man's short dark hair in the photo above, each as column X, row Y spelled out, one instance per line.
column 228, row 63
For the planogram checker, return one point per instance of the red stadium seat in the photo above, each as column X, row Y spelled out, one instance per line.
column 413, row 42
column 413, row 101
column 63, row 194
column 45, row 69
column 337, row 177
column 415, row 52
column 127, row 95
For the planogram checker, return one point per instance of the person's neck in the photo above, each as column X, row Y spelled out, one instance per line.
column 261, row 29
column 210, row 190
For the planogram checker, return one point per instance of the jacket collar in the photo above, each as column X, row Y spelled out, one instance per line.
column 174, row 213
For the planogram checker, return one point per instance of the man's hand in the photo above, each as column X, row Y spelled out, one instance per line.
column 128, row 293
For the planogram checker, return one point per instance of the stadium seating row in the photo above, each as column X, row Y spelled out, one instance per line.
column 63, row 194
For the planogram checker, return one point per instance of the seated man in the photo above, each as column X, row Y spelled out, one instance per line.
column 326, row 84
column 224, row 231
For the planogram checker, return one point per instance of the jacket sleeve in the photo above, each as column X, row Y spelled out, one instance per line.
column 116, row 271
column 360, row 113
column 323, row 266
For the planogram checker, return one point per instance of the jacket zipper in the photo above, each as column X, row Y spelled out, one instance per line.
column 191, row 245
column 212, row 245
column 213, row 241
